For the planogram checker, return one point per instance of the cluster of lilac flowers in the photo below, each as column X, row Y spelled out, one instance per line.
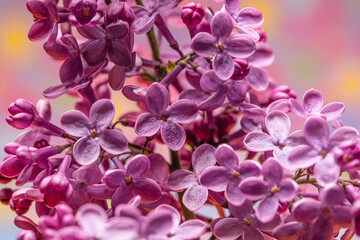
column 87, row 180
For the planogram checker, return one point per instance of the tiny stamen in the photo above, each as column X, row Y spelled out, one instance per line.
column 161, row 118
column 93, row 133
column 86, row 12
column 346, row 159
column 275, row 190
column 235, row 173
column 325, row 208
column 246, row 222
column 128, row 179
column 323, row 154
column 219, row 46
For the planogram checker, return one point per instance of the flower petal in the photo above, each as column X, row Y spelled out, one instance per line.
column 228, row 229
column 92, row 219
column 306, row 210
column 181, row 179
column 138, row 165
column 102, row 113
column 40, row 30
column 340, row 135
column 117, row 77
column 112, row 141
column 289, row 231
column 157, row 98
column 258, row 78
column 254, row 188
column 221, row 26
column 215, row 178
column 327, row 171
column 272, row 171
column 147, row 125
column 195, row 197
column 75, row 123
column 227, row 157
column 213, row 102
column 316, row 132
column 333, row 110
column 332, row 194
column 119, row 54
column 210, row 82
column 313, row 101
column 250, row 16
column 233, row 193
column 191, row 229
column 278, row 124
column 118, row 29
column 288, row 190
column 173, row 135
column 86, row 150
column 202, row 158
column 240, row 46
column 204, row 44
column 182, row 111
column 258, row 142
column 303, row 157
column 95, row 52
column 236, row 92
column 147, row 188
column 223, row 65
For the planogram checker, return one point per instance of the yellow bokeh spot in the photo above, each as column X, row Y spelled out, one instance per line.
column 351, row 83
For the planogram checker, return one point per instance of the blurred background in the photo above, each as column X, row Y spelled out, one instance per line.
column 316, row 44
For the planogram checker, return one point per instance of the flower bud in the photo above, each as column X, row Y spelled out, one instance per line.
column 11, row 148
column 5, row 195
column 281, row 92
column 21, row 106
column 261, row 33
column 241, row 70
column 119, row 11
column 192, row 14
column 20, row 206
column 20, row 120
column 24, row 155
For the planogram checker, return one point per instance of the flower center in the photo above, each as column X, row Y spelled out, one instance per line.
column 93, row 133
column 346, row 159
column 325, row 208
column 323, row 154
column 219, row 46
column 128, row 179
column 274, row 190
column 235, row 173
column 86, row 11
column 161, row 118
column 246, row 222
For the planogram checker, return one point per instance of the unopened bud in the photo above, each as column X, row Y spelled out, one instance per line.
column 20, row 120
column 192, row 14
column 241, row 70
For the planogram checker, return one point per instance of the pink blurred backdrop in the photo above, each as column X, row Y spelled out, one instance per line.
column 316, row 45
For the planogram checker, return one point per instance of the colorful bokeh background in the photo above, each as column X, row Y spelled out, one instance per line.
column 316, row 45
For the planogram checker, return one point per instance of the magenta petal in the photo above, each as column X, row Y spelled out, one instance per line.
column 223, row 65
column 243, row 211
column 203, row 157
column 86, row 150
column 90, row 174
column 102, row 113
column 119, row 54
column 75, row 123
column 226, row 157
column 11, row 167
column 236, row 92
column 38, row 9
column 341, row 216
column 306, row 210
column 240, row 46
column 91, row 32
column 118, row 29
column 157, row 98
column 288, row 190
column 143, row 24
column 122, row 195
column 342, row 134
column 40, row 30
column 112, row 141
column 210, row 82
column 258, row 142
column 327, row 171
column 159, row 169
column 95, row 52
column 190, row 229
column 254, row 188
column 278, row 124
column 263, row 56
column 92, row 218
column 158, row 224
column 195, row 197
column 173, row 135
column 316, row 132
column 117, row 77
column 249, row 168
column 181, row 179
column 215, row 178
column 272, row 171
column 213, row 102
column 313, row 101
column 123, row 228
column 115, row 178
column 147, row 188
column 289, row 231
column 204, row 44
column 252, row 233
column 322, row 229
column 147, row 125
column 303, row 157
column 233, row 193
column 138, row 165
column 332, row 194
column 221, row 26
column 57, row 51
column 250, row 16
column 228, row 229
column 182, row 111
column 232, row 7
column 68, row 71
column 333, row 110
column 258, row 78
column 296, row 108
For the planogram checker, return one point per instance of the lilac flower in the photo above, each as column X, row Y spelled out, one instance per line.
column 94, row 133
column 46, row 20
column 278, row 139
column 94, row 223
column 131, row 181
column 118, row 10
column 271, row 190
column 258, row 78
column 247, row 19
column 84, row 13
column 245, row 223
column 192, row 14
column 223, row 45
column 229, row 174
column 68, row 49
column 313, row 105
column 322, row 213
column 106, row 42
column 145, row 16
column 320, row 149
column 23, row 114
column 234, row 90
column 165, row 118
column 195, row 195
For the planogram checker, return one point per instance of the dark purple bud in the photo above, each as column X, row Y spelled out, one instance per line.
column 119, row 11
column 262, row 34
column 5, row 195
column 24, row 155
column 346, row 152
column 192, row 14
column 20, row 206
column 21, row 106
column 242, row 69
column 11, row 148
column 281, row 92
